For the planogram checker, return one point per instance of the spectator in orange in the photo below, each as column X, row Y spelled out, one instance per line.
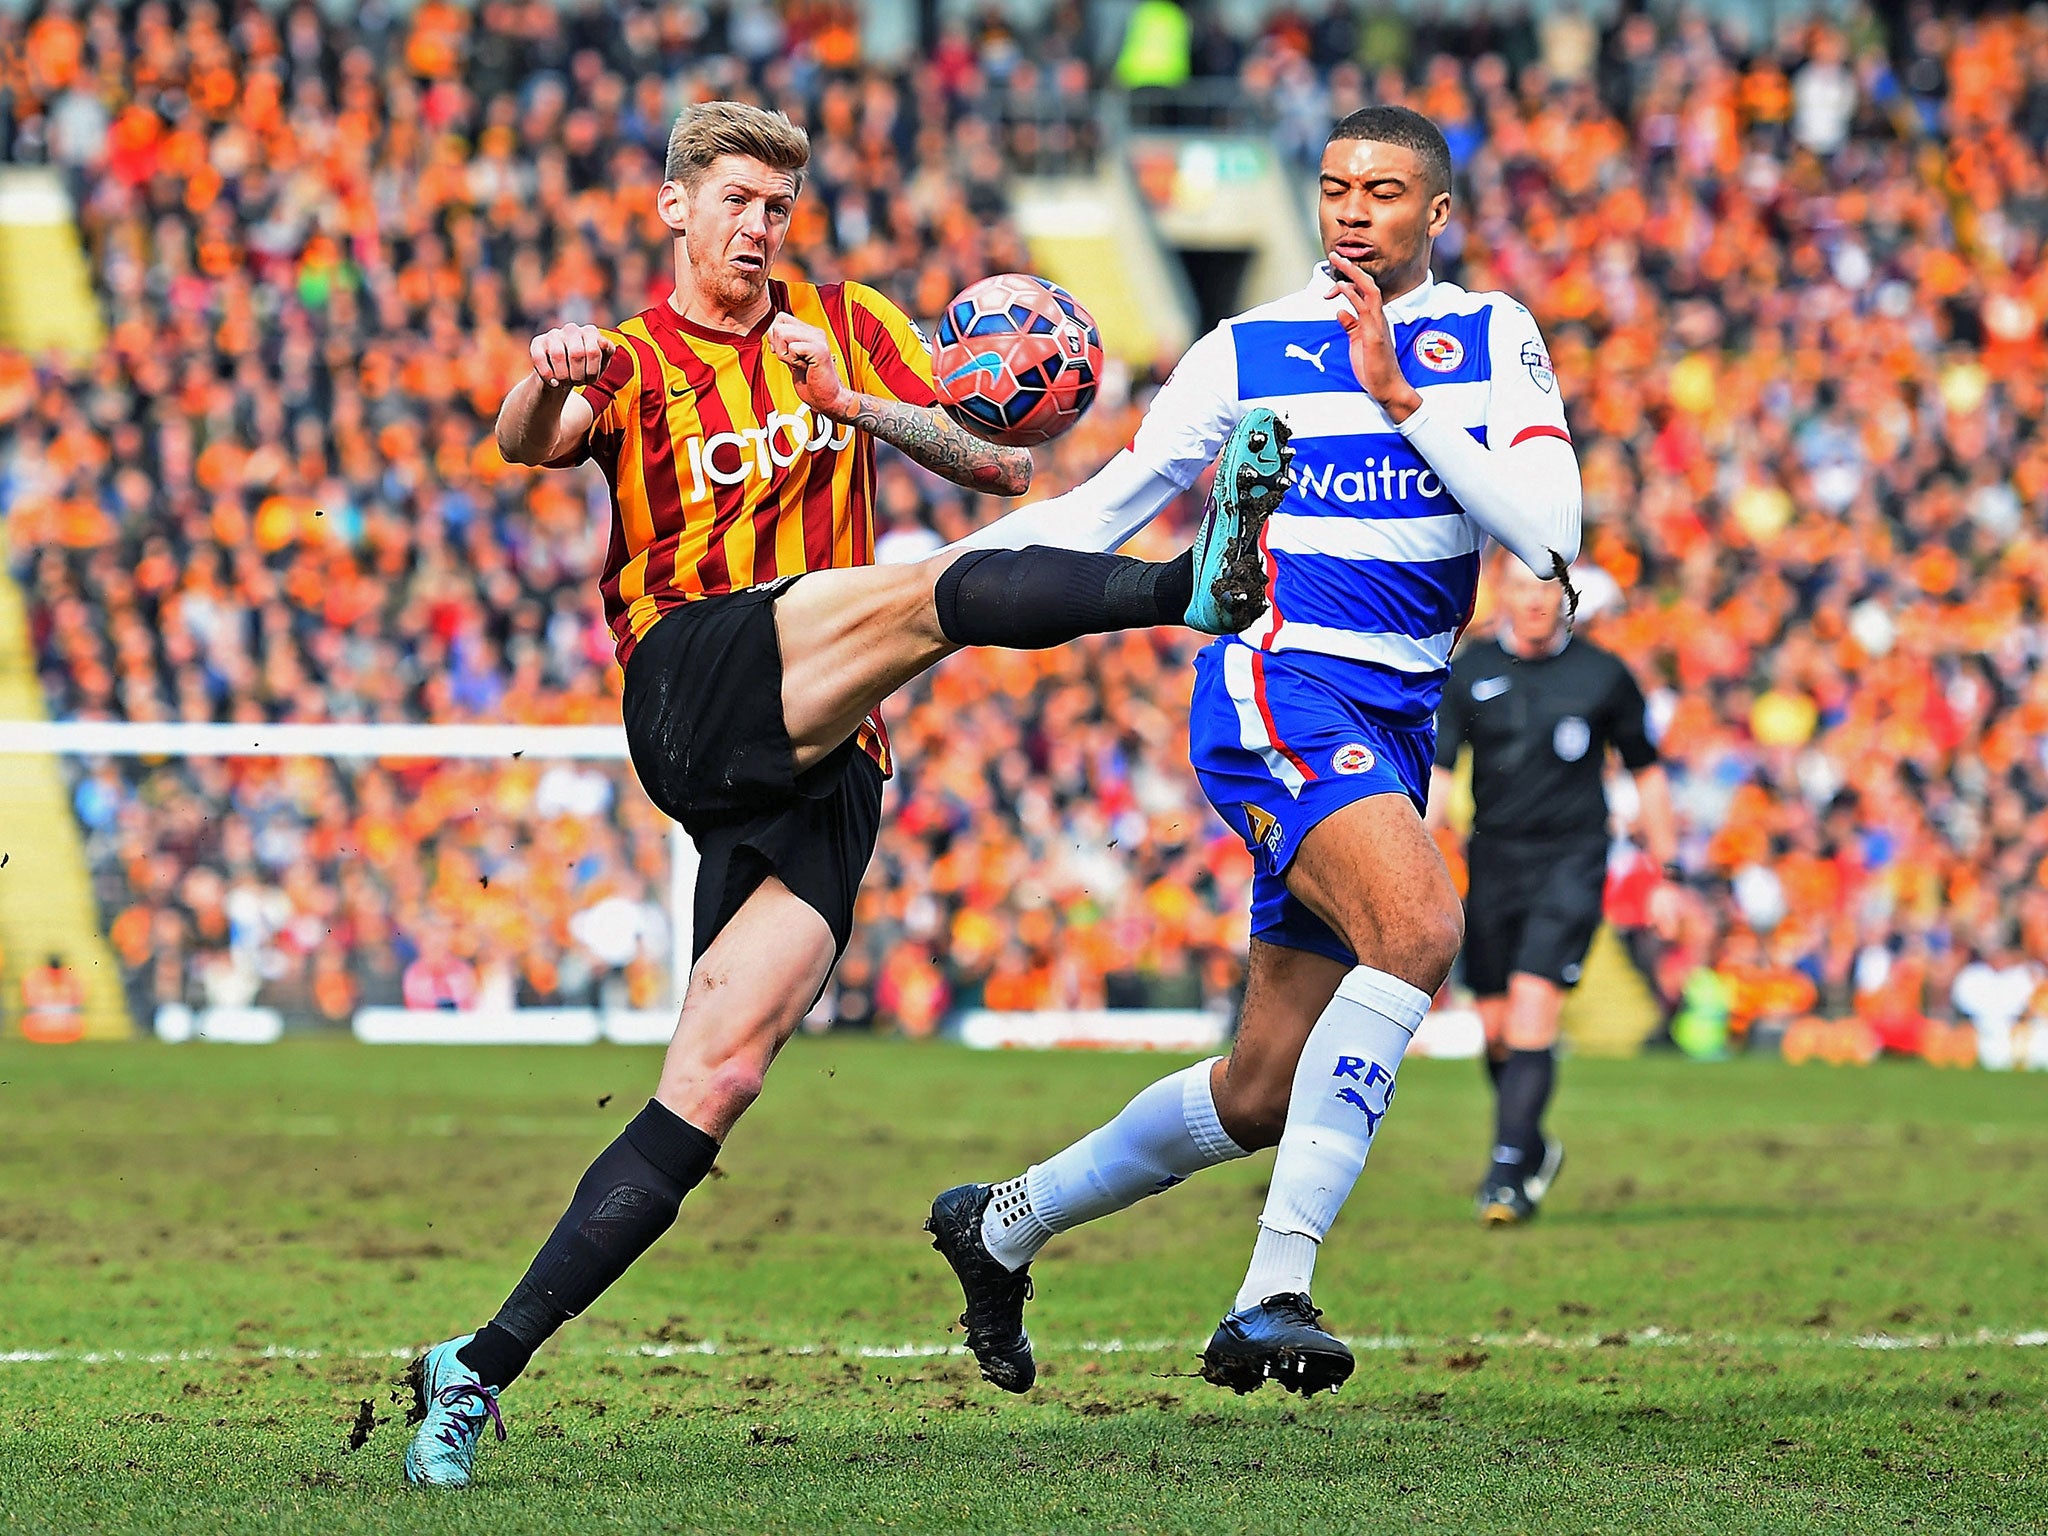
column 52, row 1004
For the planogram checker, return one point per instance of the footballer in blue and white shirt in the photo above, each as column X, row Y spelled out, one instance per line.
column 1425, row 420
column 1372, row 560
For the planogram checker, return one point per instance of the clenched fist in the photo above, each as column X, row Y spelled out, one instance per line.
column 808, row 352
column 571, row 354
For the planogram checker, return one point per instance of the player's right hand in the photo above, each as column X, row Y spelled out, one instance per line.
column 571, row 354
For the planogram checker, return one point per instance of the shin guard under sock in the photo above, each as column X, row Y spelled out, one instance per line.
column 626, row 1200
column 1029, row 599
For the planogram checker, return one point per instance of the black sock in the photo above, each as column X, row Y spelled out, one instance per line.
column 626, row 1200
column 1493, row 1065
column 1524, row 1090
column 1029, row 599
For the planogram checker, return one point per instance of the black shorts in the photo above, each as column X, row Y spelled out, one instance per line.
column 1532, row 907
column 703, row 708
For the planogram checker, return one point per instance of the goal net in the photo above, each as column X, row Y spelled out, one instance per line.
column 411, row 882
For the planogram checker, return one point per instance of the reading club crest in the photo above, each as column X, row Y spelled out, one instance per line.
column 1439, row 351
column 1352, row 757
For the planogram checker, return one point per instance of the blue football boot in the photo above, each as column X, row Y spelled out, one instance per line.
column 451, row 1406
column 1277, row 1340
column 1230, row 569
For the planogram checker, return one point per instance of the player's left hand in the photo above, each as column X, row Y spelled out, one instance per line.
column 808, row 352
column 1372, row 340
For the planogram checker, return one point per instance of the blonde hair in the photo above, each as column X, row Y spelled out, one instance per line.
column 712, row 128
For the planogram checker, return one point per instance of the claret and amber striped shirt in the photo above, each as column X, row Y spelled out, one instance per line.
column 721, row 477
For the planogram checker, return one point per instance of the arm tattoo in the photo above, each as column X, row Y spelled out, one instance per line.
column 927, row 436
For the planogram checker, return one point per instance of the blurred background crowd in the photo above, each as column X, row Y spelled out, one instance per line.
column 1792, row 284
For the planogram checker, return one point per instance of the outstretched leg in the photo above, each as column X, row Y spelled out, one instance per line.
column 850, row 638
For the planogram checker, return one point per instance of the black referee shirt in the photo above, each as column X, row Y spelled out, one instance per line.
column 1540, row 730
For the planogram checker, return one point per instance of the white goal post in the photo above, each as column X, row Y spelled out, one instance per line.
column 500, row 743
column 1452, row 1032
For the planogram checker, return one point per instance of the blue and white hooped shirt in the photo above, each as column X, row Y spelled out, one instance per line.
column 1371, row 558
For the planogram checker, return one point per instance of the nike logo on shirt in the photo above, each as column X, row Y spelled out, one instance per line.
column 1490, row 688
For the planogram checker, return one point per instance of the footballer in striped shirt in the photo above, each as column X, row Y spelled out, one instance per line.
column 735, row 424
column 722, row 476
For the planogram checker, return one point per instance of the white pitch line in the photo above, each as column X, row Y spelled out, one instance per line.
column 2033, row 1338
column 175, row 1357
column 664, row 1351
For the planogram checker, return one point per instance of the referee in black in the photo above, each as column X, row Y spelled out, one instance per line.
column 1540, row 708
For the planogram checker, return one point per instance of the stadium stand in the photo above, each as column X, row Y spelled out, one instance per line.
column 1793, row 288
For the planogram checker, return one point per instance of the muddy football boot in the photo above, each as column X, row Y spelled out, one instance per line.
column 1230, row 569
column 451, row 1407
column 994, row 1318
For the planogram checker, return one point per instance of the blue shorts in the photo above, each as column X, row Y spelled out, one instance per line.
column 1279, row 745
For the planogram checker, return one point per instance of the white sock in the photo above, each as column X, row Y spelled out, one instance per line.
column 1343, row 1085
column 1167, row 1132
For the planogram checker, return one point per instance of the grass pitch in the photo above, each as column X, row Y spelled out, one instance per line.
column 1763, row 1299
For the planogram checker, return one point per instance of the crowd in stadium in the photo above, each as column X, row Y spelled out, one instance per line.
column 1792, row 286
